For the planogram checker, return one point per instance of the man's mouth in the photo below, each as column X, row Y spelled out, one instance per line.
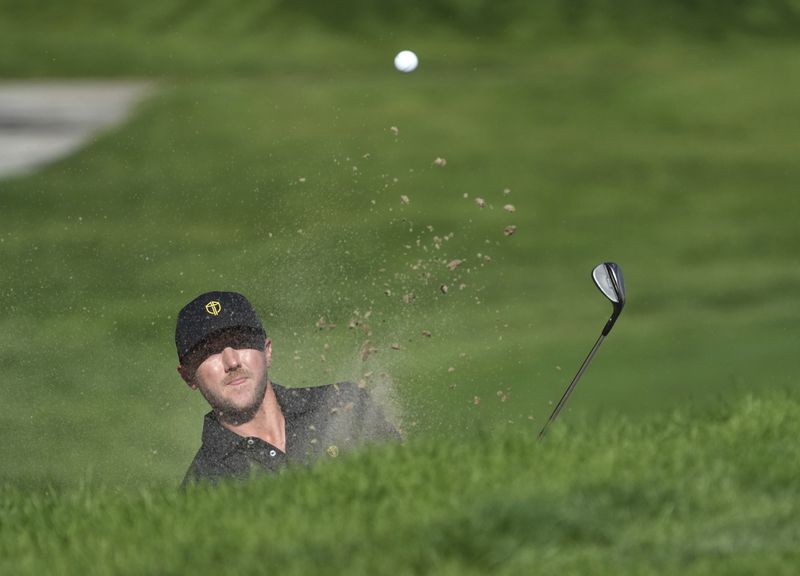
column 237, row 381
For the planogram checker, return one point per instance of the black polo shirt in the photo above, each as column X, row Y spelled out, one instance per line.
column 320, row 420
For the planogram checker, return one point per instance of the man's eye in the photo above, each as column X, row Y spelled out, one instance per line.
column 218, row 347
column 209, row 350
column 235, row 342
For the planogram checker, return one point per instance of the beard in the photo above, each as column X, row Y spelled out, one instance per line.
column 235, row 414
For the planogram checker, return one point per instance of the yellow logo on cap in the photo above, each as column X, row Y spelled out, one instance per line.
column 213, row 308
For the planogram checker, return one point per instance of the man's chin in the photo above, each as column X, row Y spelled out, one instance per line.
column 237, row 414
column 242, row 412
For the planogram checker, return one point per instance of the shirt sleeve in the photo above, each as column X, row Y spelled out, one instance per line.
column 353, row 417
column 375, row 424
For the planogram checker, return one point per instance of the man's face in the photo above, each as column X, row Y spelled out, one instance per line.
column 230, row 370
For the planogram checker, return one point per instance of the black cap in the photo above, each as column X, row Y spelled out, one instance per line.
column 210, row 313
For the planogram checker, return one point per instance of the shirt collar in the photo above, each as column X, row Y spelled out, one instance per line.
column 218, row 439
column 293, row 401
column 221, row 441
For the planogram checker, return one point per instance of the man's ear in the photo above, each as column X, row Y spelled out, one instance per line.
column 187, row 376
column 268, row 351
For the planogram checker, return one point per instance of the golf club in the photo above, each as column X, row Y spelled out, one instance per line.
column 608, row 278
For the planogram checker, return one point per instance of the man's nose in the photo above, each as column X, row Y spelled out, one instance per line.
column 230, row 359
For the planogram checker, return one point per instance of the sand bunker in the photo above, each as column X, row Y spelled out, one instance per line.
column 43, row 121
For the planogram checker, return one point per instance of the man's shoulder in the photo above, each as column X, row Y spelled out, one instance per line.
column 219, row 455
column 343, row 409
column 298, row 401
column 206, row 466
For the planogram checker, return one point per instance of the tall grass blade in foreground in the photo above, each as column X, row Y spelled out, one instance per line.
column 681, row 494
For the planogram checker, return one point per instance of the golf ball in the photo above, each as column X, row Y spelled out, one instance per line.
column 406, row 61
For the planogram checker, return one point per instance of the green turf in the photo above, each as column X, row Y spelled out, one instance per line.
column 266, row 162
column 677, row 161
column 173, row 37
column 694, row 492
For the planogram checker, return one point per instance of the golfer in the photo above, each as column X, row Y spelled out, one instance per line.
column 255, row 424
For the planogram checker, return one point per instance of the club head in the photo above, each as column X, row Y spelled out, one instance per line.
column 608, row 278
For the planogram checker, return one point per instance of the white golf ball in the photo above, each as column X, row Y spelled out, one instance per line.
column 406, row 61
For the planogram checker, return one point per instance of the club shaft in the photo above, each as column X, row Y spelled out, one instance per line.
column 572, row 385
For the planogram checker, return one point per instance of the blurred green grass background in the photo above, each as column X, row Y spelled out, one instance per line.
column 266, row 163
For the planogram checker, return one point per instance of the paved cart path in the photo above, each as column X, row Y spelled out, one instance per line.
column 41, row 122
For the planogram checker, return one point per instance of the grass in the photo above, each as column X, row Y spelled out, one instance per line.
column 675, row 160
column 267, row 163
column 89, row 38
column 693, row 492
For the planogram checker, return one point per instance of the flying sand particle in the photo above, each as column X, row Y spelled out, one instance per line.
column 323, row 324
column 366, row 350
column 509, row 208
column 440, row 162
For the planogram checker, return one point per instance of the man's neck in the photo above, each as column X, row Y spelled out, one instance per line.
column 268, row 423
